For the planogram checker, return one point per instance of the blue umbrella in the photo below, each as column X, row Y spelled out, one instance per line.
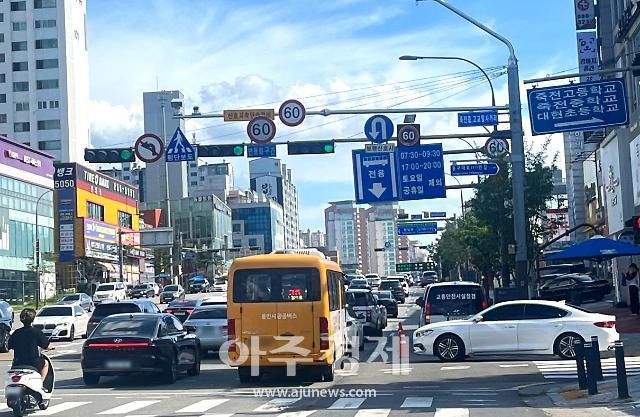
column 597, row 248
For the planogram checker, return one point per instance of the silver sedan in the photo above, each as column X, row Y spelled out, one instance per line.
column 210, row 325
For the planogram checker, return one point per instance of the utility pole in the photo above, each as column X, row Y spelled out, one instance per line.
column 166, row 175
column 120, row 255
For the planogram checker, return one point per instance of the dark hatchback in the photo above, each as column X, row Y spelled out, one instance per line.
column 387, row 299
column 395, row 287
column 125, row 344
column 575, row 288
column 108, row 309
column 172, row 292
column 182, row 309
column 143, row 290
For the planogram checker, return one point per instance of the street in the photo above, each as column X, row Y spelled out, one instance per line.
column 475, row 387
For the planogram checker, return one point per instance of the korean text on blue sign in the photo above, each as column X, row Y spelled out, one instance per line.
column 474, row 169
column 582, row 106
column 259, row 151
column 478, row 118
column 421, row 172
column 417, row 228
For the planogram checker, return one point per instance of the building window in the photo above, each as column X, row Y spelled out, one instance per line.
column 21, row 66
column 42, row 105
column 19, row 26
column 3, row 78
column 21, row 86
column 54, row 104
column 49, row 23
column 49, row 145
column 237, row 228
column 3, row 118
column 1, row 37
column 18, row 6
column 95, row 211
column 46, row 43
column 125, row 219
column 21, row 127
column 22, row 106
column 253, row 242
column 194, row 174
column 3, row 98
column 47, row 84
column 48, row 124
column 194, row 183
column 1, row 17
column 3, row 58
column 44, row 4
column 19, row 46
column 46, row 63
column 237, row 243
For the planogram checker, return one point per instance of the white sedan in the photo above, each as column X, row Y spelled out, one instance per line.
column 516, row 327
column 62, row 321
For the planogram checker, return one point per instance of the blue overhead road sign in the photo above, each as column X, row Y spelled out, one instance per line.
column 478, row 118
column 378, row 128
column 261, row 150
column 374, row 176
column 417, row 228
column 179, row 149
column 421, row 172
column 581, row 106
column 490, row 168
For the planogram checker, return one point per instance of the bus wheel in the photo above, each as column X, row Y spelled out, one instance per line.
column 244, row 374
column 327, row 373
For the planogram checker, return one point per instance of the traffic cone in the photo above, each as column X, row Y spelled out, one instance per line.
column 404, row 347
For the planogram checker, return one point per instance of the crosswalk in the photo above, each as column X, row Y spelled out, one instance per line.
column 567, row 369
column 225, row 407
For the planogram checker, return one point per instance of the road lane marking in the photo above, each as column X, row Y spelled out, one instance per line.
column 275, row 405
column 59, row 408
column 452, row 412
column 455, row 368
column 202, row 406
column 129, row 407
column 374, row 412
column 346, row 403
column 474, row 393
column 216, row 415
column 417, row 402
column 515, row 365
column 296, row 413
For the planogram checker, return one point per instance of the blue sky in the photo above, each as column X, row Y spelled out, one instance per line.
column 234, row 54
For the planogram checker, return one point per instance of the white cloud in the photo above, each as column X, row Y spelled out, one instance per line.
column 113, row 124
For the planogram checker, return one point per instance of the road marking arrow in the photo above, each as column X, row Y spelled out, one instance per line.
column 579, row 122
column 377, row 189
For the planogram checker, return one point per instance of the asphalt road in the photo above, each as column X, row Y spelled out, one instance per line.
column 419, row 386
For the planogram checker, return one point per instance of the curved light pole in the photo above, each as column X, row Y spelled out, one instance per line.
column 37, row 250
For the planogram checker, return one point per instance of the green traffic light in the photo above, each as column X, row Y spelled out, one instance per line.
column 328, row 148
column 238, row 150
column 125, row 154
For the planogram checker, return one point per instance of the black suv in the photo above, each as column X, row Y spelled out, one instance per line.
column 386, row 299
column 129, row 306
column 395, row 287
column 6, row 322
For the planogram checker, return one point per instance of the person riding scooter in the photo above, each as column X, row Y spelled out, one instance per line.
column 25, row 343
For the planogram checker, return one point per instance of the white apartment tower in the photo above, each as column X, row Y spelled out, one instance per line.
column 44, row 76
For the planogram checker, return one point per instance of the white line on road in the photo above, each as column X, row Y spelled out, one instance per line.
column 215, row 415
column 452, row 412
column 346, row 403
column 275, row 405
column 202, row 406
column 129, row 407
column 374, row 412
column 297, row 413
column 422, row 387
column 455, row 368
column 59, row 408
column 474, row 393
column 417, row 402
column 515, row 365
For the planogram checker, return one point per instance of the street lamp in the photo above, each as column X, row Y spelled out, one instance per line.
column 37, row 250
column 517, row 148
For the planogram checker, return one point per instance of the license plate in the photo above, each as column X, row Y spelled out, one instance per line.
column 118, row 364
column 179, row 313
column 13, row 391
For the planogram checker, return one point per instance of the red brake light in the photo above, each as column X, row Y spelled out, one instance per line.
column 324, row 333
column 15, row 378
column 605, row 324
column 189, row 311
column 120, row 345
column 169, row 311
column 231, row 334
column 368, row 315
column 427, row 310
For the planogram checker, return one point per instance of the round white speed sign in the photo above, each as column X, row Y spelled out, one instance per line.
column 496, row 147
column 292, row 113
column 261, row 129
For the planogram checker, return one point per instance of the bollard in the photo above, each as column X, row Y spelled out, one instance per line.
column 582, row 373
column 596, row 358
column 592, row 381
column 621, row 371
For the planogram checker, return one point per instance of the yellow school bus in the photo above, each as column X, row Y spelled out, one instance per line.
column 286, row 309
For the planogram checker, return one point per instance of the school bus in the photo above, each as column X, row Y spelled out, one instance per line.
column 286, row 309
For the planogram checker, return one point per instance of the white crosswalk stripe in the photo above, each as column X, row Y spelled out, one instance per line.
column 275, row 405
column 297, row 413
column 346, row 403
column 129, row 407
column 417, row 402
column 202, row 406
column 452, row 412
column 567, row 369
column 373, row 412
column 59, row 408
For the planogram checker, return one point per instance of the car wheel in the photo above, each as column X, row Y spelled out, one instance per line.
column 327, row 373
column 449, row 348
column 564, row 346
column 195, row 369
column 43, row 405
column 90, row 379
column 379, row 332
column 72, row 334
column 361, row 347
column 171, row 375
column 4, row 340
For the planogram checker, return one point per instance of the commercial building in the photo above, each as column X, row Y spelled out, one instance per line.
column 131, row 173
column 210, row 179
column 44, row 88
column 313, row 239
column 26, row 200
column 272, row 178
column 258, row 223
column 94, row 214
column 346, row 234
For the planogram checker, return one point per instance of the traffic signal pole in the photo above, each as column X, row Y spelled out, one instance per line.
column 166, row 171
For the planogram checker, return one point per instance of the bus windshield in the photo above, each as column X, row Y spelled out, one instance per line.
column 276, row 285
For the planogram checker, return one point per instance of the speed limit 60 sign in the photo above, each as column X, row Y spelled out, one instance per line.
column 408, row 134
column 261, row 129
column 496, row 147
column 292, row 113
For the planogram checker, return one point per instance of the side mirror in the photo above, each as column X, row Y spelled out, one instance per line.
column 190, row 329
column 478, row 319
column 420, row 302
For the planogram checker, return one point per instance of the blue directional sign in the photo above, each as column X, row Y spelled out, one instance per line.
column 260, row 151
column 421, row 172
column 417, row 228
column 437, row 214
column 581, row 106
column 374, row 176
column 478, row 118
column 490, row 168
column 179, row 149
column 416, row 217
column 378, row 128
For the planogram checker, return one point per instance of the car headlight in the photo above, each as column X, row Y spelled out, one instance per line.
column 63, row 324
column 423, row 333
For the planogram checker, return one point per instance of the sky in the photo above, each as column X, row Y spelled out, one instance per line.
column 328, row 54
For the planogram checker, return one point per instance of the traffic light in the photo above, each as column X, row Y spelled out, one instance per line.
column 636, row 229
column 311, row 147
column 113, row 155
column 220, row 150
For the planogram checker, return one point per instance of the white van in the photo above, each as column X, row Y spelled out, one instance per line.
column 112, row 291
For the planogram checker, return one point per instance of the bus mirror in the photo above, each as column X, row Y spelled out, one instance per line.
column 420, row 302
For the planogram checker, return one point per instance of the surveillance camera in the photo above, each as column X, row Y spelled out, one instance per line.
column 176, row 103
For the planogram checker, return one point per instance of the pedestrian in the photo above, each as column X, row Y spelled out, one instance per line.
column 632, row 281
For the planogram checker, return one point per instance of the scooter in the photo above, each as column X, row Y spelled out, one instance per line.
column 25, row 389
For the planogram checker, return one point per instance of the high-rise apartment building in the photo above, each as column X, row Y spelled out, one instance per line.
column 210, row 179
column 345, row 234
column 44, row 76
column 272, row 178
column 383, row 243
column 313, row 239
